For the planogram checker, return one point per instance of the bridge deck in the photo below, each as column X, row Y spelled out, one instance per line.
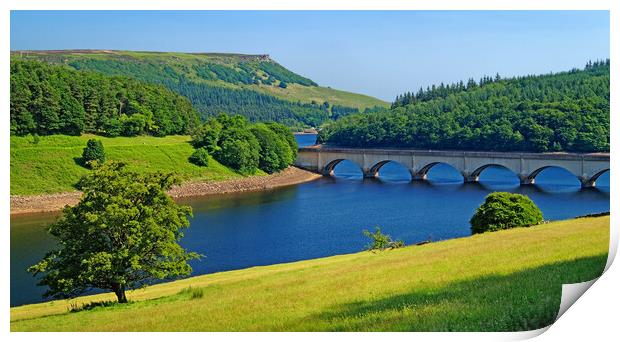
column 602, row 156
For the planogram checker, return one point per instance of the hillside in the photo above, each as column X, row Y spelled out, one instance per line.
column 252, row 85
column 50, row 99
column 567, row 111
column 50, row 165
column 454, row 285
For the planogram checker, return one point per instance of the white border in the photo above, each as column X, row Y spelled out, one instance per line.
column 594, row 314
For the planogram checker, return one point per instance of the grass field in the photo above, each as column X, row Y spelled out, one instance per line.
column 501, row 281
column 50, row 166
column 296, row 92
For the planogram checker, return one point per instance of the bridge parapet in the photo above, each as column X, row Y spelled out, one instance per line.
column 586, row 167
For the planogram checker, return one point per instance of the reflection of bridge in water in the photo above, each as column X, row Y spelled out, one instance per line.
column 586, row 167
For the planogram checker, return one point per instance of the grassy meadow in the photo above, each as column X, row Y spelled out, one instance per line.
column 51, row 165
column 296, row 92
column 500, row 281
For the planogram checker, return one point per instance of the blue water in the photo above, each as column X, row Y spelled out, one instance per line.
column 305, row 139
column 327, row 216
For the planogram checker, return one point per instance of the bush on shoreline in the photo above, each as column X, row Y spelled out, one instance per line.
column 503, row 210
column 381, row 242
column 246, row 147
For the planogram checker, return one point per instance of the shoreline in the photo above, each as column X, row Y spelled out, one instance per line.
column 47, row 203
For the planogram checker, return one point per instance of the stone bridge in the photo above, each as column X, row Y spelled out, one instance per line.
column 323, row 159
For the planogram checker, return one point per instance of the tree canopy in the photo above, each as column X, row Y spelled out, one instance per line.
column 48, row 99
column 246, row 147
column 503, row 210
column 123, row 233
column 567, row 111
column 214, row 84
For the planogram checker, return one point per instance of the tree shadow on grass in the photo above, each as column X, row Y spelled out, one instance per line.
column 79, row 161
column 523, row 300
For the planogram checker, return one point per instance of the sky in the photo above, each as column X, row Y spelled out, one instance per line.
column 378, row 53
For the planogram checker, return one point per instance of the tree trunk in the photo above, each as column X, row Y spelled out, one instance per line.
column 119, row 290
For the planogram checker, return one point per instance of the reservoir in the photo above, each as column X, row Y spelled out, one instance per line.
column 327, row 216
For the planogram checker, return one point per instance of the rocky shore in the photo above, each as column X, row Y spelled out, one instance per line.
column 21, row 205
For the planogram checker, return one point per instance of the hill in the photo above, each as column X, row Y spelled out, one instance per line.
column 50, row 99
column 567, row 111
column 252, row 85
column 49, row 164
column 502, row 281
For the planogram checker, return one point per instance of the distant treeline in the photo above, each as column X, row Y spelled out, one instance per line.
column 255, row 106
column 211, row 100
column 48, row 99
column 567, row 111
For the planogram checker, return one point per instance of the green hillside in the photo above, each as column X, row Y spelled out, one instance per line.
column 51, row 99
column 50, row 165
column 252, row 85
column 501, row 281
column 566, row 111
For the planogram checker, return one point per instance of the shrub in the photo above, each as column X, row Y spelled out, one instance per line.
column 287, row 135
column 239, row 151
column 208, row 135
column 275, row 153
column 503, row 210
column 93, row 152
column 200, row 157
column 381, row 241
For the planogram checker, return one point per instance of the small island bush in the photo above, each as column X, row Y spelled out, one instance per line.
column 93, row 152
column 200, row 157
column 503, row 210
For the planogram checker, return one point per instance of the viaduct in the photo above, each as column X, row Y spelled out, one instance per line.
column 323, row 159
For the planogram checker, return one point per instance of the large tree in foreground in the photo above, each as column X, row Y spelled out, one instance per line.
column 123, row 233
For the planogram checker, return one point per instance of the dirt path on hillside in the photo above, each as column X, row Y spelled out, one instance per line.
column 21, row 205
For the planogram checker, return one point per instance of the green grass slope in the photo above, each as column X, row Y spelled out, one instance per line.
column 501, row 281
column 50, row 166
column 295, row 92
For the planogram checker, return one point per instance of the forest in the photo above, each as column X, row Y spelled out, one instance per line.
column 567, row 111
column 210, row 99
column 49, row 99
column 255, row 106
column 214, row 87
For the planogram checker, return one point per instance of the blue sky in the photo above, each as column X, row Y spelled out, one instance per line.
column 379, row 53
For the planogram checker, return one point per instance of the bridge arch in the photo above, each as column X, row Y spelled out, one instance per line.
column 475, row 175
column 328, row 170
column 531, row 178
column 422, row 173
column 373, row 171
column 592, row 181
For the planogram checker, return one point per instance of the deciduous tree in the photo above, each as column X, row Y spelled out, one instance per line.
column 123, row 233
